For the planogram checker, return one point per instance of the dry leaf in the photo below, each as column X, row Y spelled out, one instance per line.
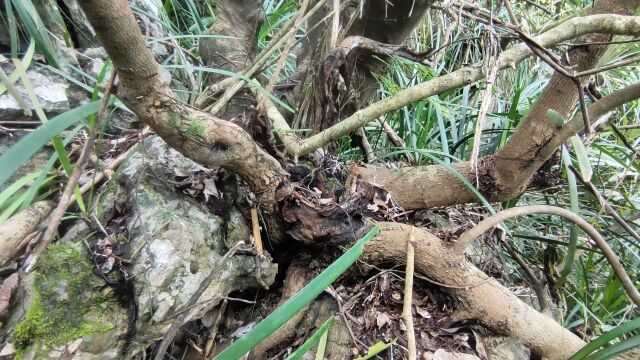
column 423, row 312
column 382, row 319
column 210, row 189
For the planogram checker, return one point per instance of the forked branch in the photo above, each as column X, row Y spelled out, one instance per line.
column 570, row 29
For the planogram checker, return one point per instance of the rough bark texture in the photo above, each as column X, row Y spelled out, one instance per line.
column 479, row 296
column 14, row 230
column 240, row 20
column 205, row 139
column 346, row 82
column 505, row 174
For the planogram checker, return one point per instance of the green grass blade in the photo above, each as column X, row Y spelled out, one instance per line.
column 42, row 178
column 13, row 29
column 196, row 15
column 36, row 28
column 605, row 338
column 15, row 94
column 444, row 140
column 17, row 185
column 305, row 296
column 322, row 346
column 311, row 341
column 574, row 206
column 57, row 142
column 613, row 350
column 583, row 158
column 376, row 349
column 19, row 153
column 26, row 61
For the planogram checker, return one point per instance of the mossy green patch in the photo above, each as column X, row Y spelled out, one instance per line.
column 173, row 121
column 195, row 128
column 64, row 295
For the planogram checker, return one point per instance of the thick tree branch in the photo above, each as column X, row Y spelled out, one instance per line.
column 604, row 23
column 479, row 296
column 439, row 186
column 205, row 139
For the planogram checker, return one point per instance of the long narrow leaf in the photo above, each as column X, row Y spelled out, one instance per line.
column 292, row 306
column 376, row 349
column 26, row 61
column 17, row 185
column 574, row 206
column 13, row 29
column 311, row 341
column 605, row 338
column 613, row 350
column 42, row 178
column 19, row 153
column 583, row 158
column 36, row 28
column 57, row 142
column 322, row 346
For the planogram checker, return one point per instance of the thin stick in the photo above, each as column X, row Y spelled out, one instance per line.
column 175, row 326
column 512, row 14
column 255, row 224
column 335, row 25
column 231, row 91
column 538, row 284
column 78, row 168
column 484, row 107
column 408, row 297
column 395, row 138
column 467, row 237
column 283, row 55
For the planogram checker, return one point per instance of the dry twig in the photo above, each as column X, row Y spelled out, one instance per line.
column 408, row 298
column 67, row 194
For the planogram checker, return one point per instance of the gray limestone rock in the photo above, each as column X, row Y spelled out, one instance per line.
column 175, row 242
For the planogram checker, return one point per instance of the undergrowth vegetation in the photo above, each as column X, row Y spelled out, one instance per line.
column 587, row 173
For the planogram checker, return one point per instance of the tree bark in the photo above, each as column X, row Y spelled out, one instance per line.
column 237, row 22
column 203, row 138
column 506, row 173
column 479, row 296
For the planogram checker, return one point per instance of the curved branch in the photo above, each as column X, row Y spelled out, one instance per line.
column 486, row 224
column 570, row 29
column 451, row 190
column 478, row 295
column 205, row 139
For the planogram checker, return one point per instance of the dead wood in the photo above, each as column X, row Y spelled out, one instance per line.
column 9, row 285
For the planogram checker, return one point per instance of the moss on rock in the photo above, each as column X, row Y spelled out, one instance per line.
column 65, row 301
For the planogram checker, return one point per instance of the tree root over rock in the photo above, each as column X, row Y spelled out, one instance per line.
column 479, row 296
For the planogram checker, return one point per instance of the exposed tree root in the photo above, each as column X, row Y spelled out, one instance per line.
column 479, row 296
